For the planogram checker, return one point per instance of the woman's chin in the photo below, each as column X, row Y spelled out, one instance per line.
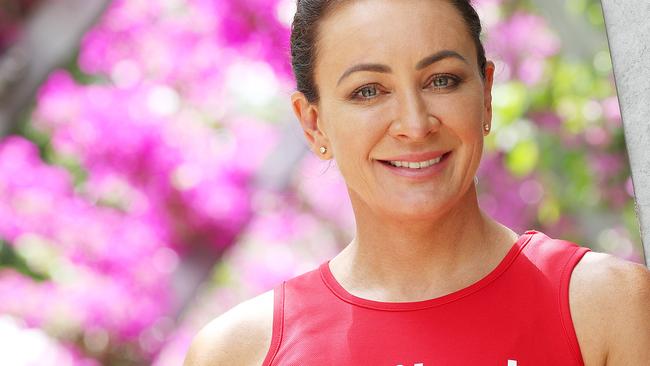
column 414, row 211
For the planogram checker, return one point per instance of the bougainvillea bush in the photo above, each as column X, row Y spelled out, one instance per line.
column 154, row 187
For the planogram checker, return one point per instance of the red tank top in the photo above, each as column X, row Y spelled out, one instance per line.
column 517, row 315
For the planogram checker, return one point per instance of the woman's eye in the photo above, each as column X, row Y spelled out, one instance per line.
column 444, row 81
column 367, row 92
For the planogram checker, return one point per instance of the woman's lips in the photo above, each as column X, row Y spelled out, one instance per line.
column 417, row 156
column 418, row 173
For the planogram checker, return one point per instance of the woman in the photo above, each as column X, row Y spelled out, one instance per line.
column 398, row 92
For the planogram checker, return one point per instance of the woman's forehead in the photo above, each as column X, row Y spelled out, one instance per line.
column 385, row 31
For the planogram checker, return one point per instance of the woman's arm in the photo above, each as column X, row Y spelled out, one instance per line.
column 610, row 307
column 240, row 336
column 628, row 310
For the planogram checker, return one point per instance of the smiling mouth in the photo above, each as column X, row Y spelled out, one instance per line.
column 415, row 165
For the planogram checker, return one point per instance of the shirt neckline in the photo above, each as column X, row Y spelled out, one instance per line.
column 504, row 264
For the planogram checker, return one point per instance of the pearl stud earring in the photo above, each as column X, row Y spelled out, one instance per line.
column 323, row 150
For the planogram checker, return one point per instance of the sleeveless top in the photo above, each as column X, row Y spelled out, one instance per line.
column 518, row 314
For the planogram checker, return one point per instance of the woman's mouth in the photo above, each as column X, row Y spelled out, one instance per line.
column 420, row 169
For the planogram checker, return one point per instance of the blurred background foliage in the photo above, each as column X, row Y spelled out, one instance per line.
column 152, row 175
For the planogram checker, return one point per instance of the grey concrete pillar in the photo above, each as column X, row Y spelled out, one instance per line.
column 628, row 30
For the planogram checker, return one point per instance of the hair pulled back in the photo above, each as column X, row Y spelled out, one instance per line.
column 304, row 34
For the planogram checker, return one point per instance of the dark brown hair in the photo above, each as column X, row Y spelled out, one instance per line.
column 304, row 33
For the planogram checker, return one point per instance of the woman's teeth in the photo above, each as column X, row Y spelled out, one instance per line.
column 416, row 165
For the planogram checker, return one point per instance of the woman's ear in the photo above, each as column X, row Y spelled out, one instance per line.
column 487, row 93
column 307, row 115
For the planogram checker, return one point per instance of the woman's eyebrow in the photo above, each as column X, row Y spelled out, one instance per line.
column 364, row 67
column 437, row 57
column 420, row 65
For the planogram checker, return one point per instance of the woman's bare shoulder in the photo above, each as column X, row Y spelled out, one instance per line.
column 240, row 336
column 610, row 305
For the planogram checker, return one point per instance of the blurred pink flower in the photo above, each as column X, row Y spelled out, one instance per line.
column 608, row 171
column 118, row 281
column 255, row 23
column 548, row 120
column 500, row 194
column 321, row 185
column 30, row 191
column 151, row 36
column 121, row 307
column 25, row 346
column 523, row 42
column 612, row 111
column 605, row 165
column 186, row 177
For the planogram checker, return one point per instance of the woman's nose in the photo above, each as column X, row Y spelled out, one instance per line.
column 414, row 120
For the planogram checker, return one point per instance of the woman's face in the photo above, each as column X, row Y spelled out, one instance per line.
column 398, row 81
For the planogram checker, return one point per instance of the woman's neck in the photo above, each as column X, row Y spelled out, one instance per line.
column 410, row 261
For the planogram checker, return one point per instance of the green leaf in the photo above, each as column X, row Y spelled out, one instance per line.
column 523, row 158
